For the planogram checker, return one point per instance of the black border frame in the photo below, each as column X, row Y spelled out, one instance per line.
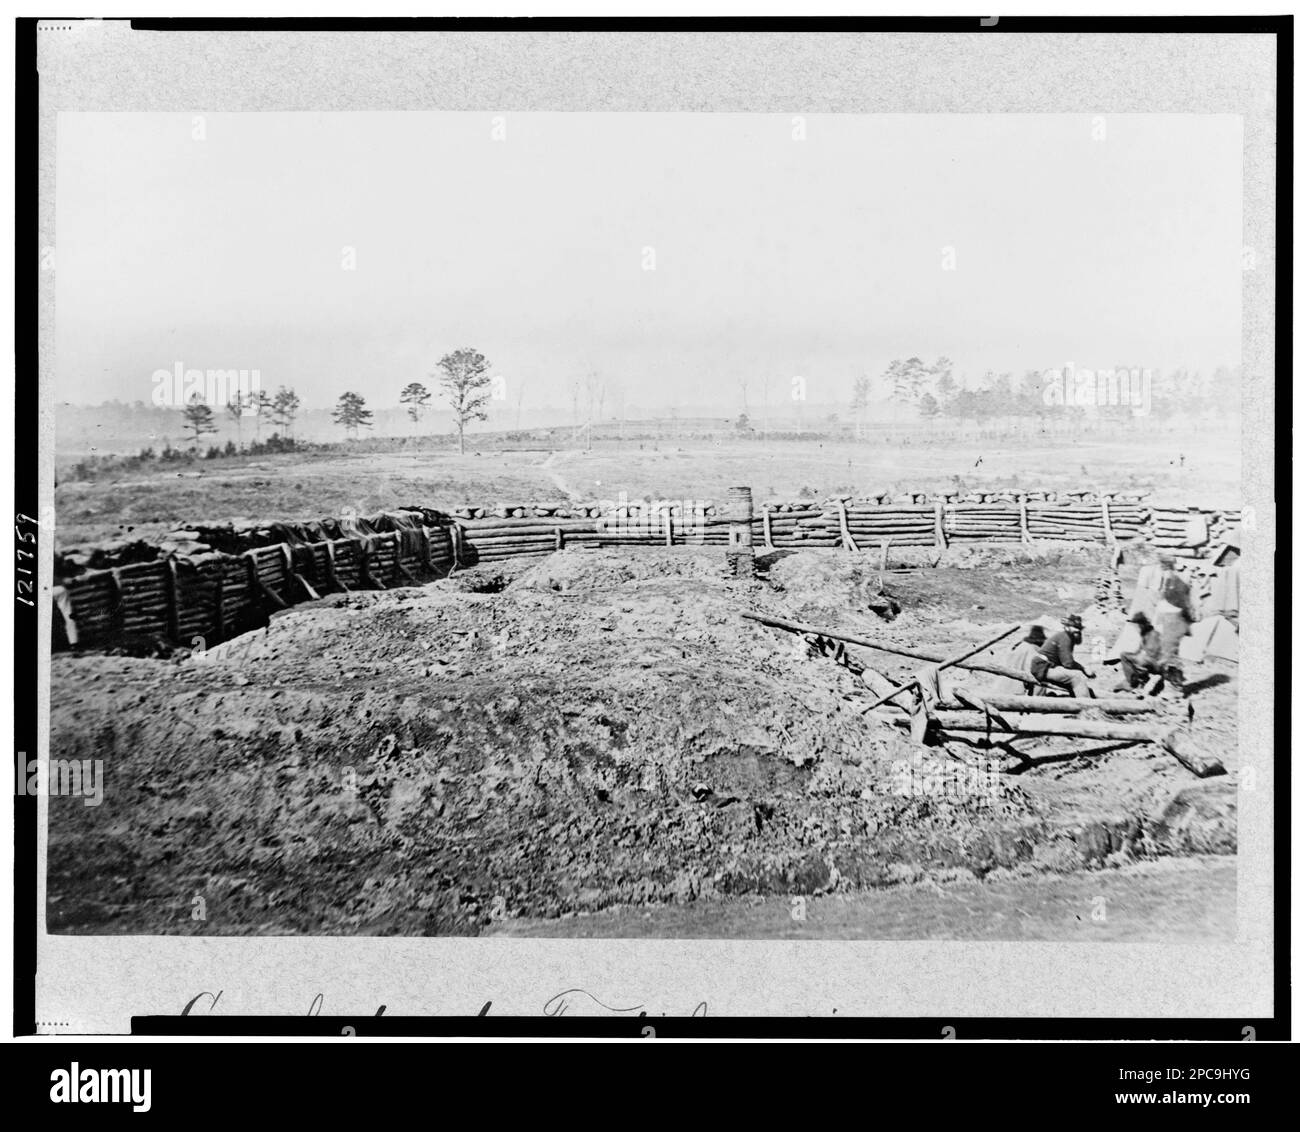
column 485, row 1024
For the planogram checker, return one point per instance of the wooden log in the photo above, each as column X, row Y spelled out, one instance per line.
column 546, row 538
column 276, row 599
column 1183, row 747
column 173, row 602
column 507, row 551
column 1061, row 705
column 915, row 654
column 1176, row 743
column 526, row 527
column 921, row 522
column 888, row 509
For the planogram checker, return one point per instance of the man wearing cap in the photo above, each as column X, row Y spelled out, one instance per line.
column 1144, row 661
column 1055, row 663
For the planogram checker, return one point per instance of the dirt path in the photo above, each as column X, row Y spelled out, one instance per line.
column 548, row 466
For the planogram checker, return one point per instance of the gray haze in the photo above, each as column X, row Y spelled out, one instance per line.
column 821, row 258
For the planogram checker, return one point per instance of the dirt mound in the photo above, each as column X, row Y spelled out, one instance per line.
column 600, row 731
column 581, row 572
column 825, row 587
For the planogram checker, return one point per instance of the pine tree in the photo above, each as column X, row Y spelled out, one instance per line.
column 198, row 418
column 235, row 411
column 352, row 414
column 284, row 409
column 416, row 399
column 465, row 382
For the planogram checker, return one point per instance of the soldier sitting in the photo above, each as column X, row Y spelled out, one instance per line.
column 1144, row 661
column 1055, row 663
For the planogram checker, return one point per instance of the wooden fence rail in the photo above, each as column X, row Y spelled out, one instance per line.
column 208, row 584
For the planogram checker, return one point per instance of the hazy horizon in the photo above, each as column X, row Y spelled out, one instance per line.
column 823, row 258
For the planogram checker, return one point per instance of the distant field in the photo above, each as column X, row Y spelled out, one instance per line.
column 1185, row 468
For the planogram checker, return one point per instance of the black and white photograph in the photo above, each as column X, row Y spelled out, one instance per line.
column 684, row 513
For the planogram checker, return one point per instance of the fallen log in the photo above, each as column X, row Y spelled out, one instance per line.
column 1177, row 743
column 915, row 654
column 1062, row 705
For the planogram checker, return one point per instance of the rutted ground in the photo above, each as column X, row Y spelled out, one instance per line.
column 603, row 731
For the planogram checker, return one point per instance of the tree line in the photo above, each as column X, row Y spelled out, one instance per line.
column 463, row 379
column 931, row 389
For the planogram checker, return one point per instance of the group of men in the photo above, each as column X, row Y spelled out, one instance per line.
column 1162, row 612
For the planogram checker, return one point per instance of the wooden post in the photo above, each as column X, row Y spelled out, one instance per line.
column 119, row 602
column 845, row 537
column 363, row 557
column 173, row 602
column 940, row 539
column 920, row 718
column 221, row 600
column 332, row 568
column 1025, row 536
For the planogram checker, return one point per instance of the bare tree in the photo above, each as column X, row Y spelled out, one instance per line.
column 858, row 403
column 575, row 391
column 595, row 397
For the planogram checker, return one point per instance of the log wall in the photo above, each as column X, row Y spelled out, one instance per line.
column 208, row 584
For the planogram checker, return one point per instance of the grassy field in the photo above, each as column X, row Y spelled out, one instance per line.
column 1178, row 467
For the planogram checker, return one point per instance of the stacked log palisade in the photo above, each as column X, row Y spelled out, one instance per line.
column 205, row 584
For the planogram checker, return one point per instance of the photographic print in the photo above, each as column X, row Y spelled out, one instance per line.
column 553, row 519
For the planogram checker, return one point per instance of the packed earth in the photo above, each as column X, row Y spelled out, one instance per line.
column 554, row 745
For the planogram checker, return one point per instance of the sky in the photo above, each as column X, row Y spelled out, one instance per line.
column 1009, row 242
